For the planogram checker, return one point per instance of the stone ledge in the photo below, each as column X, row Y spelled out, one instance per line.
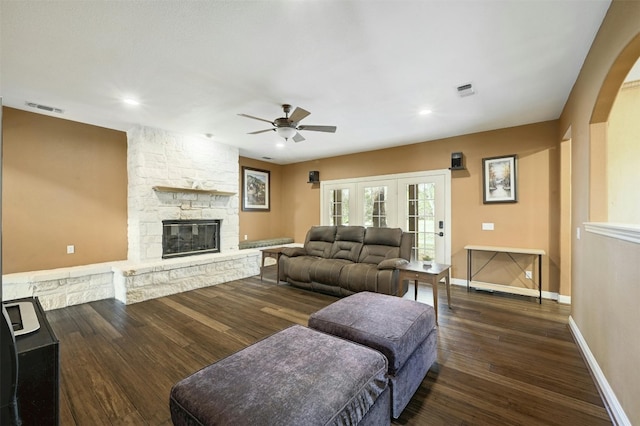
column 270, row 242
column 130, row 282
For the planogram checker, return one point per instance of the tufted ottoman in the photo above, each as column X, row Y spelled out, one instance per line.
column 403, row 330
column 297, row 376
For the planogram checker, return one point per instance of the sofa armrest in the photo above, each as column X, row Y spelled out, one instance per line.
column 392, row 263
column 294, row 251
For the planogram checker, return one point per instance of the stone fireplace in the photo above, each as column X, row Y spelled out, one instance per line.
column 182, row 188
column 179, row 177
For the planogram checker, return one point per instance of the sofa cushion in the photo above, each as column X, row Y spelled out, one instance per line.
column 347, row 250
column 375, row 253
column 320, row 240
column 383, row 236
column 327, row 271
column 348, row 243
column 294, row 251
column 359, row 277
column 297, row 268
column 392, row 263
column 322, row 233
column 350, row 233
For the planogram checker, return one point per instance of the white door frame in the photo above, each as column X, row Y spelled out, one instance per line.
column 368, row 180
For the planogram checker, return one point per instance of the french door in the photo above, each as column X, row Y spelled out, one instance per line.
column 419, row 203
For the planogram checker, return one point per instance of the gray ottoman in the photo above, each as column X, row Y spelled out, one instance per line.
column 403, row 330
column 296, row 377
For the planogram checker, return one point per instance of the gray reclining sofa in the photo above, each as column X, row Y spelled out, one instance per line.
column 343, row 260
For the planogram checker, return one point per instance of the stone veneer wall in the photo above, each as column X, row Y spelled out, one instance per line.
column 157, row 158
column 130, row 282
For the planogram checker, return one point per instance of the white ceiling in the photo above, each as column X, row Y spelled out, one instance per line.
column 367, row 67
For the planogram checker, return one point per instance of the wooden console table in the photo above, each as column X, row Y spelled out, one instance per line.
column 509, row 251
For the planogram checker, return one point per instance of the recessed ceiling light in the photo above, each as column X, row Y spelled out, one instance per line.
column 131, row 101
column 425, row 112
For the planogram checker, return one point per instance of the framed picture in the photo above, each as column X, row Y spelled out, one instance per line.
column 499, row 183
column 256, row 189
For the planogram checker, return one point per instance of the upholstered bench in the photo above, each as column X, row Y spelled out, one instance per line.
column 403, row 330
column 295, row 377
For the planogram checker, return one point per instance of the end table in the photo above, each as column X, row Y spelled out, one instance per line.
column 274, row 253
column 429, row 273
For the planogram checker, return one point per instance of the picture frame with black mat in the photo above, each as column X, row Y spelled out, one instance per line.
column 256, row 189
column 500, row 179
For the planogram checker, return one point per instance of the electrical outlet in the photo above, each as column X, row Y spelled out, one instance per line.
column 528, row 275
column 71, row 249
column 245, row 237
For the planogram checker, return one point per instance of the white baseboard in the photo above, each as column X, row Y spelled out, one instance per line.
column 564, row 299
column 611, row 401
column 545, row 294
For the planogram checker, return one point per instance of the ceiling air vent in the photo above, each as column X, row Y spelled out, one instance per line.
column 44, row 107
column 465, row 90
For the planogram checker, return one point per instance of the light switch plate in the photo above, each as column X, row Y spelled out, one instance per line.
column 487, row 226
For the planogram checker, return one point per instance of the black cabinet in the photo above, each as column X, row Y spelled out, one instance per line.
column 38, row 373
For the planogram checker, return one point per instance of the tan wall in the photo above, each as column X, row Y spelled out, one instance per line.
column 63, row 183
column 623, row 152
column 532, row 222
column 259, row 225
column 605, row 270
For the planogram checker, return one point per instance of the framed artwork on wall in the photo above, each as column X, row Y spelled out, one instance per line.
column 499, row 179
column 256, row 189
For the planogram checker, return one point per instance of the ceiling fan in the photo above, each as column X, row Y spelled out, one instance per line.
column 288, row 126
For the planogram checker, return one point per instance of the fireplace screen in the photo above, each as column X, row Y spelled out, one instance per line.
column 189, row 237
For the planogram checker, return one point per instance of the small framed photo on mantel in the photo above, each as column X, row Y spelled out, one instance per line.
column 499, row 179
column 256, row 189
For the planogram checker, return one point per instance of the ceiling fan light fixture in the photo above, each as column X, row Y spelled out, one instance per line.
column 286, row 132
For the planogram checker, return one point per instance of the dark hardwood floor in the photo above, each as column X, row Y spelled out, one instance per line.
column 502, row 360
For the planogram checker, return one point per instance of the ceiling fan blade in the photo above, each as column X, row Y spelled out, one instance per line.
column 298, row 114
column 298, row 137
column 256, row 118
column 330, row 129
column 261, row 131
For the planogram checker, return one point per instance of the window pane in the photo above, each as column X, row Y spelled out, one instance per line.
column 339, row 207
column 375, row 210
column 421, row 219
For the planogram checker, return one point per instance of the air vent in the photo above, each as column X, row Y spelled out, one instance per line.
column 44, row 107
column 465, row 90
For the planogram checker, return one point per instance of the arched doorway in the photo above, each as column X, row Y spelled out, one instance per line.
column 598, row 193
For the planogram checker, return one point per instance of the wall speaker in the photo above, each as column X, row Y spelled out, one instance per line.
column 457, row 160
column 314, row 176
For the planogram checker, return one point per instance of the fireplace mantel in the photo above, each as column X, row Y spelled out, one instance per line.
column 193, row 190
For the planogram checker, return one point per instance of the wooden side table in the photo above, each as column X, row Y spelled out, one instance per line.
column 274, row 253
column 432, row 274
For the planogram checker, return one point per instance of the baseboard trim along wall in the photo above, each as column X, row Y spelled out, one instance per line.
column 611, row 401
column 545, row 294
